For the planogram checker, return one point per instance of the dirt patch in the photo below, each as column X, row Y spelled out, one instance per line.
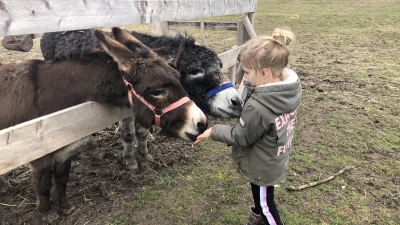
column 98, row 178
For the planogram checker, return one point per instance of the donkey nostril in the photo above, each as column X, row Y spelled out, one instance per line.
column 201, row 127
column 235, row 102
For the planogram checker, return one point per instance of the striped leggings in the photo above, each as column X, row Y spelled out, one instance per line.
column 264, row 204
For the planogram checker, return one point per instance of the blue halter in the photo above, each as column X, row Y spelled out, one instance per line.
column 213, row 92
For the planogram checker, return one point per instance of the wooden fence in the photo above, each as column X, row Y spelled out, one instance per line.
column 28, row 141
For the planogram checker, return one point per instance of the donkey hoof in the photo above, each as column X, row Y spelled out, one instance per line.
column 68, row 210
column 50, row 217
column 148, row 158
column 132, row 166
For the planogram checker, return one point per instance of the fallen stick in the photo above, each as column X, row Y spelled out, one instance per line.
column 312, row 184
column 7, row 205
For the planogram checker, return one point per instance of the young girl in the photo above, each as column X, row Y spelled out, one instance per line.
column 263, row 136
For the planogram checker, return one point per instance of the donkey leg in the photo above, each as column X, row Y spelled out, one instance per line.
column 61, row 177
column 42, row 171
column 127, row 129
column 141, row 135
column 62, row 169
column 42, row 181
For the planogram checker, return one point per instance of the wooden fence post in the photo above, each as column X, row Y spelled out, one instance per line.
column 160, row 28
column 246, row 33
column 202, row 33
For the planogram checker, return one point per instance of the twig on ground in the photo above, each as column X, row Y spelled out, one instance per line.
column 85, row 199
column 24, row 173
column 7, row 205
column 169, row 152
column 77, row 221
column 21, row 203
column 23, row 197
column 153, row 170
column 312, row 184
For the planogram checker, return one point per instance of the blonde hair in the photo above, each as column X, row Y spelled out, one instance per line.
column 268, row 52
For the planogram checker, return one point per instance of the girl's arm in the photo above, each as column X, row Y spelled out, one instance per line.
column 249, row 129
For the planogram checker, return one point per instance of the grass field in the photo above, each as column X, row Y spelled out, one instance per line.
column 346, row 55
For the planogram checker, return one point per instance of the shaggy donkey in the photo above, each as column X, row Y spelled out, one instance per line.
column 35, row 88
column 200, row 75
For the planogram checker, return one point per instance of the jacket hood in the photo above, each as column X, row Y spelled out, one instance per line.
column 281, row 97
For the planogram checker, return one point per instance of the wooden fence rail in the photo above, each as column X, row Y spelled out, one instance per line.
column 41, row 16
column 33, row 139
column 209, row 25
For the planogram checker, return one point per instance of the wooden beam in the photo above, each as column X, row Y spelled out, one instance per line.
column 207, row 25
column 39, row 16
column 202, row 33
column 160, row 28
column 232, row 74
column 33, row 139
column 251, row 17
column 249, row 26
column 247, row 20
column 229, row 58
column 240, row 40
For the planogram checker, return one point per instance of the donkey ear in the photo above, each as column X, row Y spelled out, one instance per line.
column 164, row 51
column 127, row 39
column 120, row 53
column 167, row 53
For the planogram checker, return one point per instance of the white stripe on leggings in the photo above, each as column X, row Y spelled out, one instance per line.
column 264, row 206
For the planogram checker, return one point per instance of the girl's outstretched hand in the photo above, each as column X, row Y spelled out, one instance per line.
column 202, row 136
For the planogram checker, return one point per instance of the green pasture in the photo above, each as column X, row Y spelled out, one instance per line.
column 347, row 57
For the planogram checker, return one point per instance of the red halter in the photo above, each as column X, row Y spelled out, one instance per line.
column 157, row 117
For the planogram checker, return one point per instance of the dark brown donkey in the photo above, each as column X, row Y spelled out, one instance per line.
column 35, row 88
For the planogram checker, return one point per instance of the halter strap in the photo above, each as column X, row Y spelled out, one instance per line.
column 213, row 92
column 157, row 117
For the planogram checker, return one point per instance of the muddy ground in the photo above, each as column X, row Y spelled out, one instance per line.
column 98, row 177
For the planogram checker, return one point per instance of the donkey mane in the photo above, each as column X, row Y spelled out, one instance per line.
column 86, row 55
column 179, row 41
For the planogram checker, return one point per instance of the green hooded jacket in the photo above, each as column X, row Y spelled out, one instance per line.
column 262, row 138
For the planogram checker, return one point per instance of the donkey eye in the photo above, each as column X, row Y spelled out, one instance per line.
column 221, row 65
column 158, row 94
column 196, row 71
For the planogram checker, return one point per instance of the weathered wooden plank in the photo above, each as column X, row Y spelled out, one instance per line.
column 249, row 26
column 28, row 141
column 207, row 25
column 232, row 74
column 202, row 33
column 40, row 16
column 160, row 28
column 244, row 33
column 229, row 58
